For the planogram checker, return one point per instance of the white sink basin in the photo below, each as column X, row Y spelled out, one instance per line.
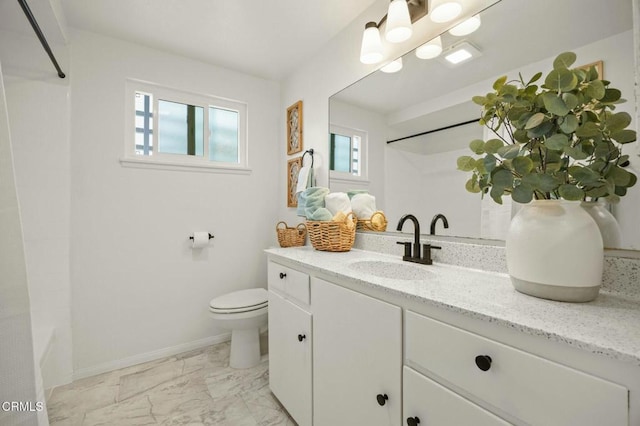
column 394, row 270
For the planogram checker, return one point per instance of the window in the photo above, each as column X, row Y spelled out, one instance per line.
column 166, row 127
column 347, row 153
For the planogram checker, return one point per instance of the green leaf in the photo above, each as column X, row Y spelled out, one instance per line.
column 561, row 80
column 489, row 163
column 584, row 175
column 480, row 100
column 570, row 100
column 618, row 121
column 542, row 182
column 554, row 104
column 569, row 124
column 611, row 96
column 535, row 120
column 477, row 146
column 496, row 194
column 480, row 166
column 595, row 89
column 557, row 142
column 497, row 85
column 588, row 129
column 493, row 145
column 571, row 192
column 620, row 176
column 472, row 185
column 624, row 136
column 466, row 163
column 541, row 130
column 522, row 194
column 522, row 165
column 502, row 178
column 576, row 153
column 509, row 151
column 564, row 60
column 535, row 78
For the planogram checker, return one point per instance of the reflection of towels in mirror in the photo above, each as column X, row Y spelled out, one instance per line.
column 363, row 205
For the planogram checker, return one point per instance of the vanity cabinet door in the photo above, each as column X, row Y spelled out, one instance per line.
column 290, row 357
column 357, row 353
column 427, row 403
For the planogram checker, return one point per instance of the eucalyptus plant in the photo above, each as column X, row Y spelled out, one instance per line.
column 558, row 140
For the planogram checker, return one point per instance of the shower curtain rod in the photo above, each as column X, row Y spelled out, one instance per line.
column 43, row 40
column 434, row 130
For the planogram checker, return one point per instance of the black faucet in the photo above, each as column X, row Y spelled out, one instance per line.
column 432, row 229
column 415, row 257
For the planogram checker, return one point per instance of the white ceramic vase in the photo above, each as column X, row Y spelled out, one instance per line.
column 607, row 223
column 554, row 251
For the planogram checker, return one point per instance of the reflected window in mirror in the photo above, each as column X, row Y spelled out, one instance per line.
column 347, row 157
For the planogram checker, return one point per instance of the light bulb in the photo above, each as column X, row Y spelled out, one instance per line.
column 466, row 27
column 445, row 12
column 371, row 50
column 392, row 67
column 431, row 49
column 398, row 27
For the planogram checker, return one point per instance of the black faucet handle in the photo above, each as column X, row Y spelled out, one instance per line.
column 432, row 247
column 407, row 247
column 426, row 248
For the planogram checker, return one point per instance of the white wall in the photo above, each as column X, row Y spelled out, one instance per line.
column 139, row 291
column 17, row 369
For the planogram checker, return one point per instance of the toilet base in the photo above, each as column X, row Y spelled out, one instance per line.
column 245, row 348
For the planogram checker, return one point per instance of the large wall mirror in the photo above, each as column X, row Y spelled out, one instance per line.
column 412, row 122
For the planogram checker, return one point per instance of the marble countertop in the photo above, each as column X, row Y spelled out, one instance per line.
column 608, row 326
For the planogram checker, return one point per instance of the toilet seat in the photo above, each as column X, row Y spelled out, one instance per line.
column 240, row 301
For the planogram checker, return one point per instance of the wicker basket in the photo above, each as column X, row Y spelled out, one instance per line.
column 291, row 237
column 332, row 236
column 379, row 225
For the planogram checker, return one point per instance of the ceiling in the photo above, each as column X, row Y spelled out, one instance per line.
column 263, row 38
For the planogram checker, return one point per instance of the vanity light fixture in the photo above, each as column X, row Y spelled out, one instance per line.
column 400, row 15
column 466, row 27
column 431, row 49
column 445, row 12
column 460, row 53
column 393, row 66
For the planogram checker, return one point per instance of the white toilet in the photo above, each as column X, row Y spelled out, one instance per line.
column 243, row 312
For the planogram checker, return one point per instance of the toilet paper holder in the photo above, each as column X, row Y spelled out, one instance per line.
column 210, row 236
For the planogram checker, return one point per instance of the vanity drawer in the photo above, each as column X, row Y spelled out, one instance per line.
column 528, row 387
column 294, row 284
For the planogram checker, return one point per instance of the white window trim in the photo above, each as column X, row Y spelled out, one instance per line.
column 180, row 161
column 364, row 155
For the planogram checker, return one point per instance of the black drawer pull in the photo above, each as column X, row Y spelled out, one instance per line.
column 382, row 398
column 483, row 362
column 301, row 337
column 413, row 421
column 282, row 275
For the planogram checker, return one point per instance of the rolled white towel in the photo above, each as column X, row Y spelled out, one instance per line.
column 363, row 205
column 337, row 202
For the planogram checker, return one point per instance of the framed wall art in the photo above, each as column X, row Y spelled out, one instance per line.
column 599, row 67
column 294, row 128
column 293, row 169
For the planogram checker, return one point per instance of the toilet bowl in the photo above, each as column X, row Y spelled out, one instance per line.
column 243, row 312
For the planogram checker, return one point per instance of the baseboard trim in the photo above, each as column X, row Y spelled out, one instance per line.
column 149, row 356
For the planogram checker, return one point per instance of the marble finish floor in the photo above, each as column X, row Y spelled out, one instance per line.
column 193, row 388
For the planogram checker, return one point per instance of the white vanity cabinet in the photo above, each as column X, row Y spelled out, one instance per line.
column 290, row 341
column 523, row 386
column 357, row 358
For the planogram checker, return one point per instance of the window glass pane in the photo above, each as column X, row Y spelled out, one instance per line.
column 144, row 124
column 178, row 131
column 340, row 153
column 223, row 135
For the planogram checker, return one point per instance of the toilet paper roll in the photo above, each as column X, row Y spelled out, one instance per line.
column 200, row 239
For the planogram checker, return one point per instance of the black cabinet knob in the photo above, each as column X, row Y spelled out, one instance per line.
column 382, row 398
column 282, row 275
column 483, row 362
column 301, row 337
column 413, row 421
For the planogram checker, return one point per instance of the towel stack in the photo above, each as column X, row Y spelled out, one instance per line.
column 315, row 204
column 363, row 205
